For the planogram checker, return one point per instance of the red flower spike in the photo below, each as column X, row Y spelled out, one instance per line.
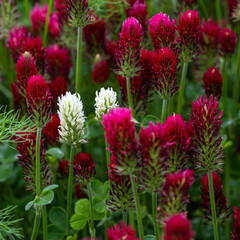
column 154, row 155
column 121, row 233
column 25, row 68
column 176, row 193
column 128, row 51
column 177, row 132
column 213, row 80
column 227, row 40
column 84, row 167
column 121, row 138
column 209, row 34
column 189, row 34
column 39, row 99
column 235, row 235
column 100, row 70
column 27, row 162
column 58, row 87
column 162, row 31
column 94, row 35
column 63, row 168
column 61, row 7
column 164, row 69
column 207, row 149
column 51, row 130
column 232, row 5
column 58, row 61
column 178, row 227
column 120, row 192
column 139, row 11
column 222, row 211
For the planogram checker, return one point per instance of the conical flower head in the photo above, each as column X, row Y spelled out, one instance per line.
column 84, row 167
column 120, row 191
column 39, row 99
column 25, row 69
column 164, row 71
column 162, row 31
column 178, row 227
column 72, row 119
column 121, row 138
column 128, row 51
column 122, row 232
column 189, row 34
column 235, row 235
column 213, row 80
column 177, row 131
column 176, row 193
column 27, row 150
column 222, row 211
column 78, row 13
column 154, row 153
column 105, row 100
column 206, row 123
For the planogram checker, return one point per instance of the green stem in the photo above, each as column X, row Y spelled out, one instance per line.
column 124, row 216
column 213, row 207
column 46, row 23
column 36, row 223
column 79, row 61
column 225, row 86
column 170, row 106
column 44, row 221
column 107, row 153
column 181, row 90
column 92, row 229
column 131, row 219
column 138, row 210
column 218, row 10
column 70, row 183
column 164, row 110
column 129, row 94
column 38, row 167
column 154, row 213
column 26, row 7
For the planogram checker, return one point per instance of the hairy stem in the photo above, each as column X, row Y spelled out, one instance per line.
column 107, row 153
column 79, row 61
column 36, row 223
column 91, row 225
column 44, row 222
column 129, row 95
column 124, row 216
column 46, row 23
column 164, row 110
column 154, row 213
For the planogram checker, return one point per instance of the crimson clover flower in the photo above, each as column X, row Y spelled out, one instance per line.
column 39, row 99
column 235, row 235
column 176, row 193
column 129, row 49
column 222, row 211
column 213, row 80
column 162, row 31
column 206, row 139
column 27, row 151
column 51, row 129
column 121, row 233
column 154, row 155
column 61, row 7
column 121, row 138
column 189, row 34
column 164, row 69
column 178, row 227
column 84, row 167
column 177, row 132
column 120, row 192
column 63, row 168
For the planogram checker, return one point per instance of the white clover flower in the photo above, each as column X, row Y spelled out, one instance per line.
column 105, row 100
column 72, row 119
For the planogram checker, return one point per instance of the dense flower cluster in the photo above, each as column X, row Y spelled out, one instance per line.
column 162, row 31
column 123, row 233
column 128, row 51
column 213, row 80
column 222, row 212
column 207, row 149
column 120, row 134
column 27, row 150
column 39, row 99
column 176, row 193
column 177, row 131
column 235, row 235
column 84, row 167
column 58, row 91
column 164, row 71
column 178, row 227
column 63, row 168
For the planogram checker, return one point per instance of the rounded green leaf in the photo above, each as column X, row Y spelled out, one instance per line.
column 45, row 198
column 106, row 187
column 58, row 217
column 56, row 152
column 97, row 187
column 98, row 204
column 148, row 119
column 50, row 187
column 98, row 215
column 55, row 232
column 82, row 207
column 29, row 205
column 76, row 222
